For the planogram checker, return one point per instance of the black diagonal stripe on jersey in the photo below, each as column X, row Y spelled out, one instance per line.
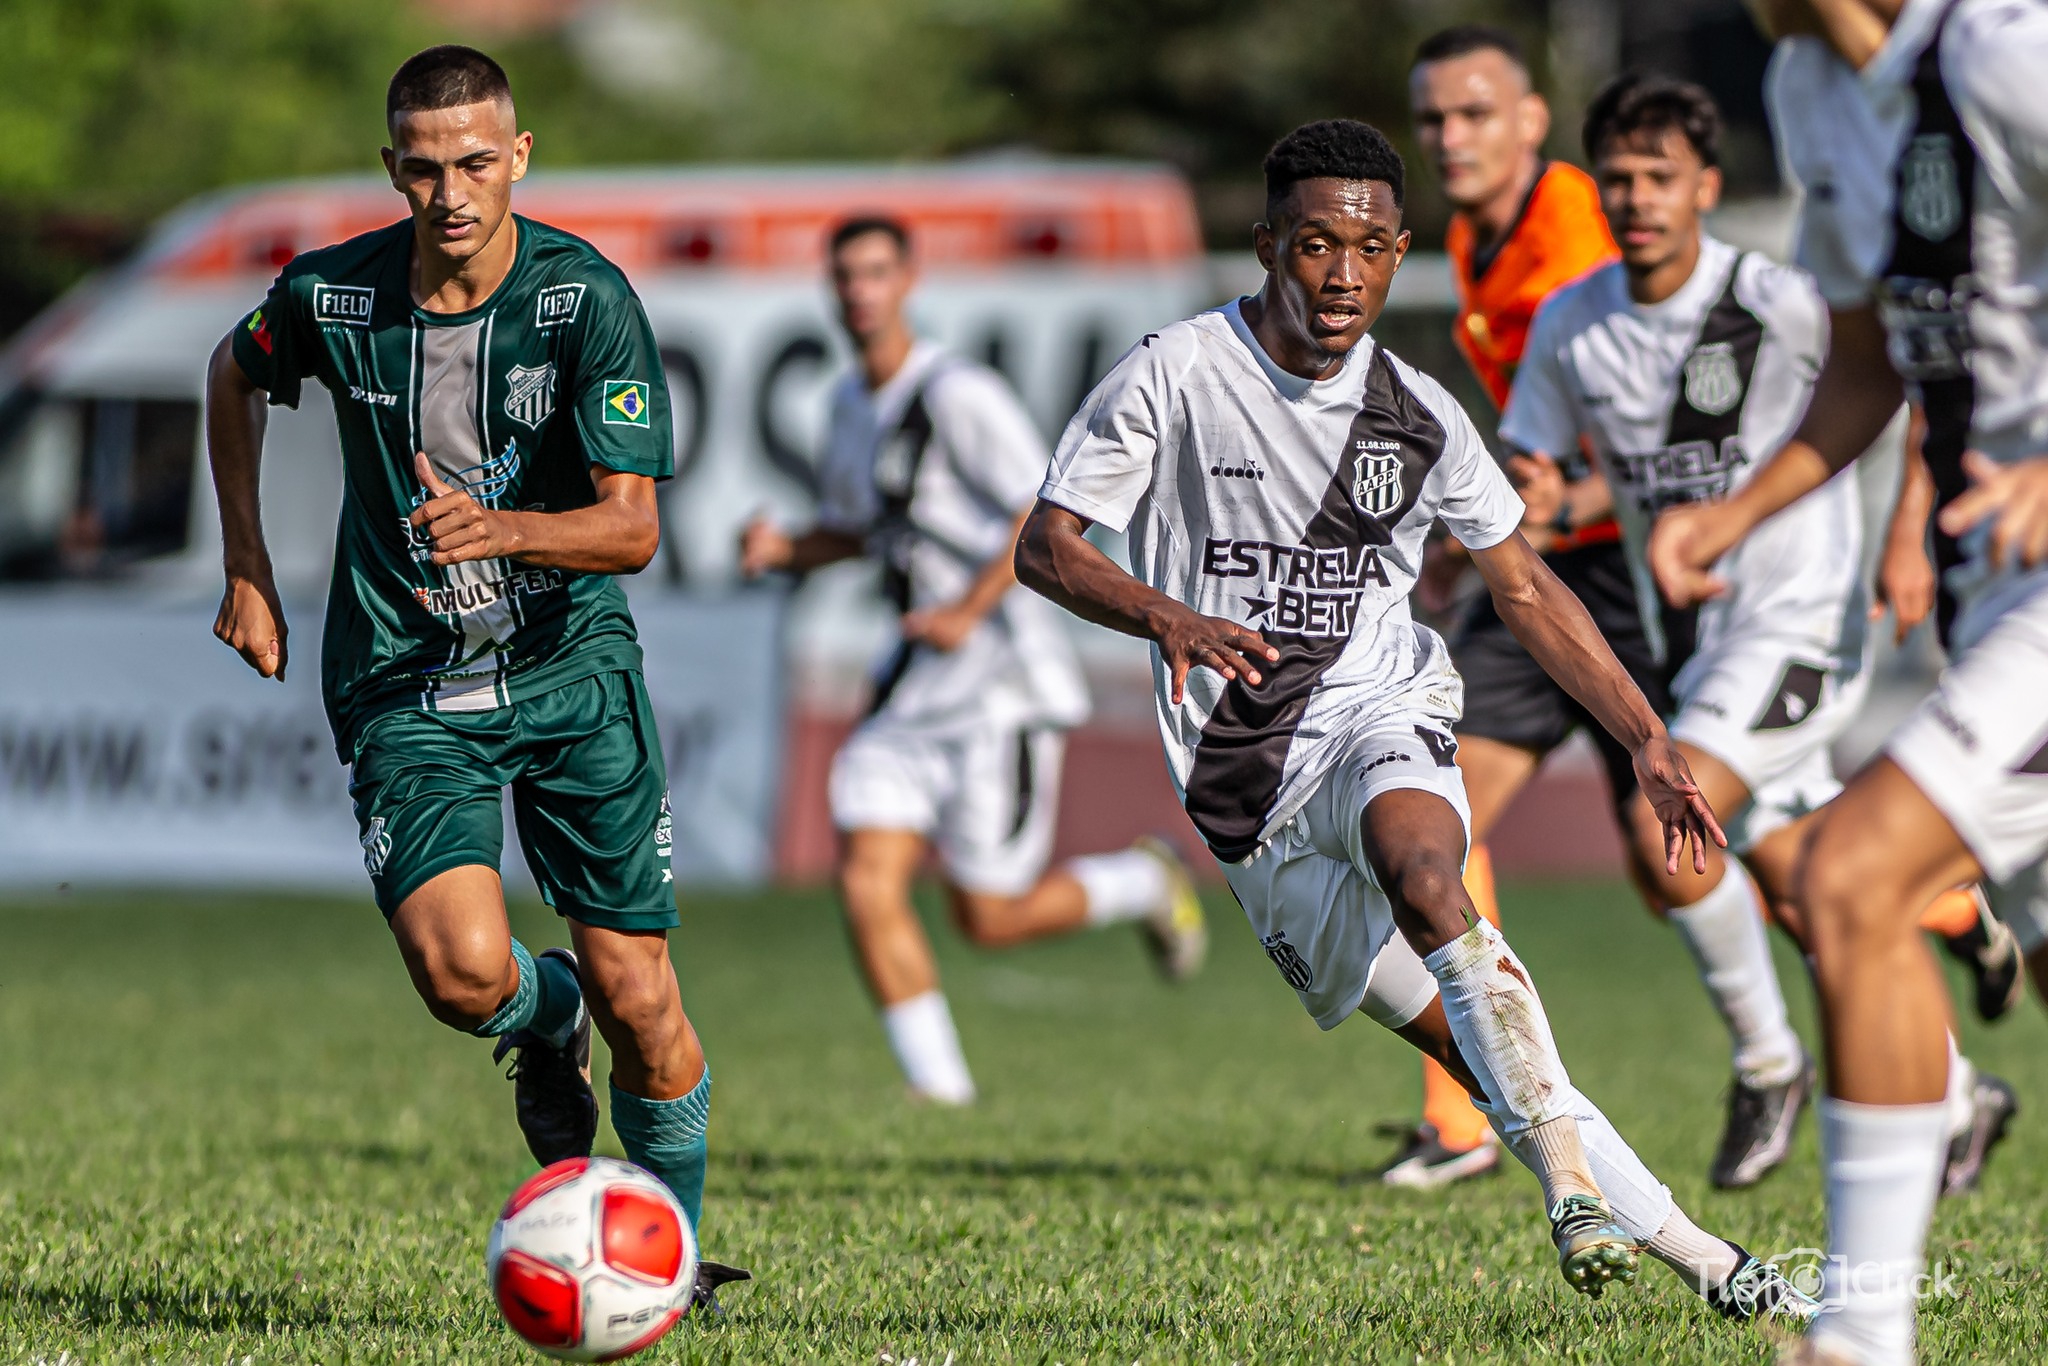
column 1242, row 754
column 1731, row 325
column 1946, row 262
column 2039, row 763
column 896, row 528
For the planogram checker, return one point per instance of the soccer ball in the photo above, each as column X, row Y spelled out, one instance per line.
column 592, row 1260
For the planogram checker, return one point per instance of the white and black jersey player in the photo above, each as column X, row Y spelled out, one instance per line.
column 1920, row 135
column 1676, row 367
column 1307, row 718
column 931, row 462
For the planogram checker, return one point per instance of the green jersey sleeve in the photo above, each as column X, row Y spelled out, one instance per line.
column 621, row 397
column 270, row 344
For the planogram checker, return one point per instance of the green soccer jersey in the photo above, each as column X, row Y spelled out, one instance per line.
column 515, row 401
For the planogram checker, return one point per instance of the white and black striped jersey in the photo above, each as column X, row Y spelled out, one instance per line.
column 1926, row 192
column 1299, row 508
column 934, row 468
column 1680, row 401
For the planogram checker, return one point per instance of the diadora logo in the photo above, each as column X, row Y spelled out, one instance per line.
column 343, row 305
column 1392, row 756
column 362, row 395
column 1376, row 488
column 1247, row 468
column 530, row 393
column 557, row 306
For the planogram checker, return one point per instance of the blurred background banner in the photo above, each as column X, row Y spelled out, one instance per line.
column 136, row 749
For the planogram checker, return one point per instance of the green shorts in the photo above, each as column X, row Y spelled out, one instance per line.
column 589, row 799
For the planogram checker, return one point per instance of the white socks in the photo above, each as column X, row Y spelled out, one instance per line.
column 1724, row 930
column 1126, row 885
column 1883, row 1167
column 1501, row 1030
column 1961, row 1102
column 927, row 1047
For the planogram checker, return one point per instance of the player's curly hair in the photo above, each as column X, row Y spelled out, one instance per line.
column 1634, row 103
column 442, row 78
column 1337, row 149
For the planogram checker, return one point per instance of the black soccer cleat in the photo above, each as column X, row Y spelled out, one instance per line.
column 1991, row 953
column 1994, row 1107
column 1758, row 1134
column 1425, row 1162
column 711, row 1275
column 551, row 1087
column 1757, row 1290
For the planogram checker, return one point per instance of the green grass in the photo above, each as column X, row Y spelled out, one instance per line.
column 227, row 1130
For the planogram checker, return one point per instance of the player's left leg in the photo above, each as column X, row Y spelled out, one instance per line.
column 591, row 808
column 994, row 838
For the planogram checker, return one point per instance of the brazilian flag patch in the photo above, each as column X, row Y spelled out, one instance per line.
column 625, row 403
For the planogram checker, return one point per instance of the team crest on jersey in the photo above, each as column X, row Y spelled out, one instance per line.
column 376, row 846
column 1930, row 197
column 1713, row 383
column 530, row 393
column 1285, row 957
column 1376, row 488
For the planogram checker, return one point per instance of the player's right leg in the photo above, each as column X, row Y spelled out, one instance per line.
column 888, row 786
column 426, row 791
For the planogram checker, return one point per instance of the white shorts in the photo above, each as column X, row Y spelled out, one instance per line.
column 1771, row 711
column 987, row 799
column 1977, row 745
column 1312, row 897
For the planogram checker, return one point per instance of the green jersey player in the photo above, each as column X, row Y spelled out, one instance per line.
column 503, row 422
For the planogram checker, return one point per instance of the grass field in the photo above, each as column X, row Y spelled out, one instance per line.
column 228, row 1132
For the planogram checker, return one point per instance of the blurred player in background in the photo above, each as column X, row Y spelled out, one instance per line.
column 1916, row 131
column 1520, row 227
column 503, row 423
column 1306, row 716
column 1672, row 365
column 931, row 463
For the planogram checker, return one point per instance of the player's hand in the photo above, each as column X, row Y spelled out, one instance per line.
column 1189, row 640
column 458, row 527
column 1541, row 483
column 1675, row 797
column 764, row 547
column 1684, row 543
column 2013, row 498
column 1905, row 587
column 251, row 623
column 944, row 628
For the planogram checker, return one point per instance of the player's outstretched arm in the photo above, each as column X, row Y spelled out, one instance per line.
column 617, row 534
column 766, row 548
column 1854, row 397
column 1555, row 627
column 251, row 619
column 947, row 625
column 1056, row 560
column 1905, row 575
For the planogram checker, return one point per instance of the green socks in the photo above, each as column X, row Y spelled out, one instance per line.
column 548, row 1000
column 667, row 1138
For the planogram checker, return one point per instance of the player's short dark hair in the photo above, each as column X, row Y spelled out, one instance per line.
column 1634, row 103
column 1462, row 40
column 442, row 78
column 863, row 224
column 1337, row 149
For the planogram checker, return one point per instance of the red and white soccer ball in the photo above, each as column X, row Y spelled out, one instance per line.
column 592, row 1260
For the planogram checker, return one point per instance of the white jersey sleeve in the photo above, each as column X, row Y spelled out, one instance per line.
column 1541, row 415
column 1103, row 465
column 1994, row 56
column 1835, row 148
column 1480, row 506
column 996, row 447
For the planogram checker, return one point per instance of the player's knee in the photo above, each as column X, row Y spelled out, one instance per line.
column 1433, row 891
column 639, row 1000
column 1847, row 898
column 461, row 990
column 979, row 918
column 872, row 891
